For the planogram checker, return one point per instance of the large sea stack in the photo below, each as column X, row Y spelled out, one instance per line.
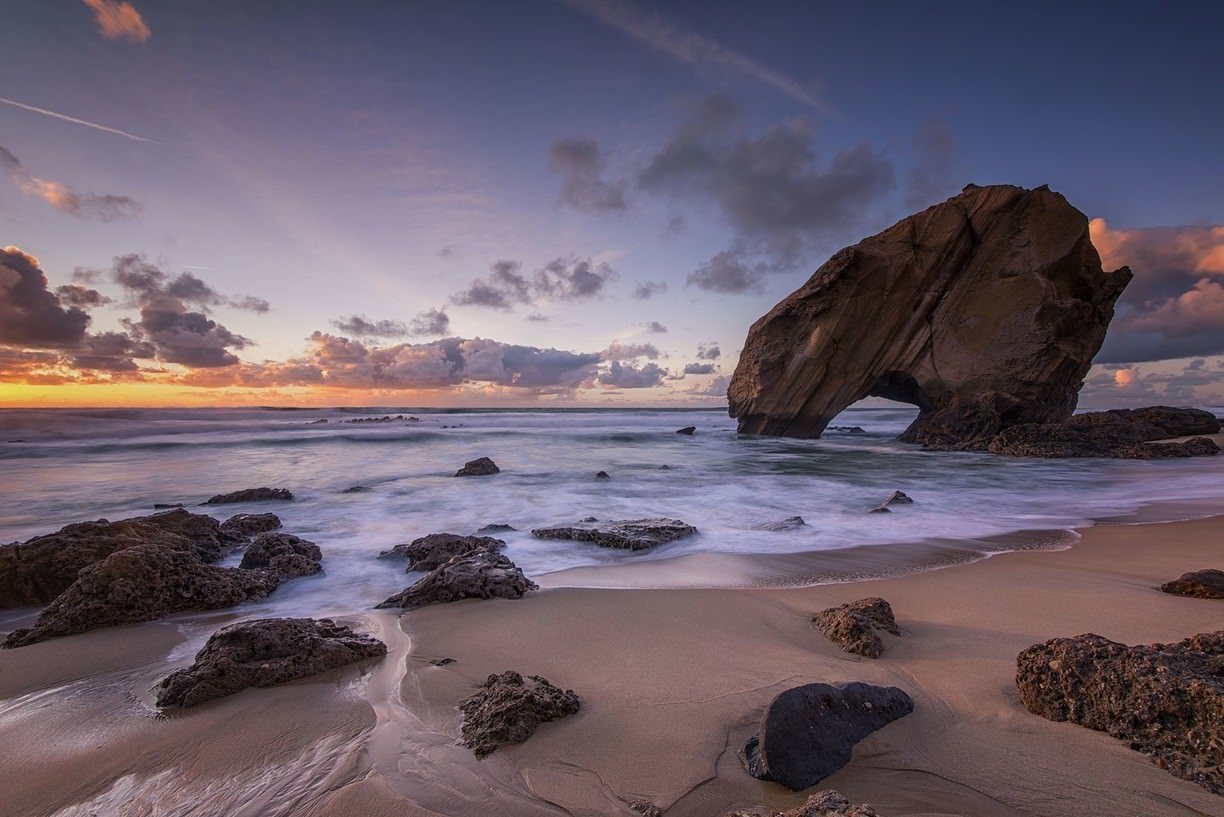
column 984, row 311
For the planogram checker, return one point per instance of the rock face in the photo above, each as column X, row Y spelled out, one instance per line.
column 481, row 467
column 827, row 803
column 286, row 555
column 984, row 311
column 243, row 526
column 1119, row 433
column 264, row 653
column 1166, row 700
column 854, row 625
column 631, row 534
column 480, row 575
column 434, row 550
column 1201, row 584
column 808, row 732
column 509, row 708
column 252, row 495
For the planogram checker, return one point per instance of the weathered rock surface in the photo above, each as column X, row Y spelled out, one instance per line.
column 1166, row 700
column 481, row 467
column 827, row 803
column 1201, row 584
column 789, row 523
column 895, row 498
column 854, row 626
column 264, row 653
column 808, row 732
column 496, row 527
column 143, row 583
column 1122, row 433
column 252, row 495
column 434, row 550
column 480, row 575
column 508, row 709
column 630, row 534
column 984, row 311
column 286, row 555
column 243, row 526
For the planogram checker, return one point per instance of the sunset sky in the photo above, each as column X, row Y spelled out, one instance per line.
column 532, row 202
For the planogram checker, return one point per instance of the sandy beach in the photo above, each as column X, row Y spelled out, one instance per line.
column 672, row 682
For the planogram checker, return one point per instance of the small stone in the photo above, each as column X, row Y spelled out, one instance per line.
column 689, row 430
column 508, row 709
column 252, row 495
column 480, row 467
column 602, row 475
column 853, row 626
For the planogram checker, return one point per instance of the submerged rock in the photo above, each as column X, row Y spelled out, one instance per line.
column 984, row 311
column 895, row 498
column 243, row 526
column 480, row 575
column 264, row 653
column 357, row 489
column 1201, row 584
column 286, row 555
column 808, row 732
column 789, row 523
column 827, row 803
column 853, row 626
column 602, row 475
column 434, row 550
column 252, row 495
column 1166, row 700
column 630, row 534
column 688, row 430
column 508, row 709
column 481, row 467
column 496, row 528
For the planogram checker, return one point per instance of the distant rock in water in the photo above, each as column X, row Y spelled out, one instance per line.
column 602, row 475
column 252, row 495
column 689, row 430
column 496, row 527
column 480, row 575
column 286, row 555
column 264, row 653
column 895, row 498
column 789, row 523
column 848, row 429
column 163, row 506
column 631, row 534
column 1166, row 700
column 481, row 467
column 984, row 311
column 1201, row 584
column 508, row 709
column 435, row 549
column 827, row 803
column 243, row 526
column 356, row 489
column 853, row 626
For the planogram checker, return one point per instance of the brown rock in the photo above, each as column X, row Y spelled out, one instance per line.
column 479, row 575
column 252, row 495
column 508, row 709
column 630, row 534
column 434, row 550
column 984, row 311
column 286, row 555
column 1166, row 700
column 242, row 526
column 481, row 467
column 854, row 625
column 827, row 803
column 1201, row 584
column 1121, row 433
column 895, row 498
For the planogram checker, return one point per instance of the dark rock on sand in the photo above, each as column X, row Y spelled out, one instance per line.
column 1201, row 584
column 789, row 523
column 808, row 732
column 1120, row 433
column 481, row 575
column 434, row 550
column 630, row 534
column 264, row 653
column 481, row 467
column 1166, row 700
column 602, row 475
column 252, row 495
column 243, row 526
column 689, row 430
column 854, row 625
column 286, row 555
column 442, row 662
column 508, row 709
column 895, row 498
column 827, row 803
column 496, row 528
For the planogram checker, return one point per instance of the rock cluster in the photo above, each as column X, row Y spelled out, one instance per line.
column 264, row 653
column 1122, row 433
column 895, row 498
column 286, row 555
column 1201, row 584
column 508, row 709
column 1166, row 700
column 252, row 495
column 827, row 803
column 479, row 575
column 854, row 626
column 481, row 467
column 631, row 534
column 808, row 732
column 245, row 525
column 435, row 549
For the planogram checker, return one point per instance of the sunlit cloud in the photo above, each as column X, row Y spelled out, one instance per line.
column 60, row 196
column 119, row 21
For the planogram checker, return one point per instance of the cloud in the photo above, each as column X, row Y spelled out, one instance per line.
column 562, row 279
column 627, row 376
column 84, row 297
column 581, row 166
column 502, row 288
column 708, row 351
column 119, row 21
column 148, row 283
column 715, row 388
column 645, row 290
column 688, row 47
column 362, row 327
column 699, row 368
column 104, row 207
column 631, row 351
column 537, row 317
column 449, row 251
column 30, row 313
column 728, row 272
column 1196, row 382
column 654, row 327
column 931, row 179
column 84, row 122
column 431, row 322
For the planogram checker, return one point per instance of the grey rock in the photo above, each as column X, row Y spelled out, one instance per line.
column 602, row 475
column 630, row 534
column 252, row 495
column 434, row 550
column 687, row 430
column 895, row 498
column 481, row 467
column 497, row 528
column 789, row 523
column 480, row 575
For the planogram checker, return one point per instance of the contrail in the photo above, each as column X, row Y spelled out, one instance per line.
column 76, row 121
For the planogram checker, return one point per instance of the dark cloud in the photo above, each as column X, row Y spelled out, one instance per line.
column 84, row 297
column 362, row 327
column 103, row 207
column 581, row 166
column 111, row 352
column 147, row 283
column 631, row 351
column 729, row 272
column 646, row 290
column 431, row 322
column 654, row 327
column 708, row 351
column 699, row 368
column 562, row 279
column 627, row 376
column 502, row 288
column 931, row 178
column 675, row 226
column 30, row 313
column 449, row 251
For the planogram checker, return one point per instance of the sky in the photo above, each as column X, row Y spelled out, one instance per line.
column 560, row 202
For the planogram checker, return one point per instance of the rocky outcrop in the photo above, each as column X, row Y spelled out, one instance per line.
column 434, row 550
column 1166, row 700
column 508, row 709
column 286, row 555
column 789, row 523
column 252, row 495
column 827, row 803
column 854, row 626
column 1201, row 584
column 481, row 467
column 264, row 653
column 984, row 311
column 808, row 732
column 602, row 475
column 497, row 527
column 242, row 526
column 1119, row 433
column 895, row 498
column 631, row 534
column 480, row 575
column 687, row 430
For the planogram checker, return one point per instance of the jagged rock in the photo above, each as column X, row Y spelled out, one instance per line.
column 1201, row 584
column 264, row 653
column 508, row 709
column 36, row 571
column 1122, row 433
column 630, row 534
column 1166, row 700
column 895, row 498
column 808, row 732
column 496, row 527
column 143, row 583
column 645, row 808
column 827, row 803
column 689, row 430
column 252, row 495
column 356, row 489
column 848, row 429
column 984, row 311
column 241, row 527
column 481, row 467
column 286, row 555
column 789, row 523
column 480, row 575
column 434, row 550
column 854, row 625
column 602, row 475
